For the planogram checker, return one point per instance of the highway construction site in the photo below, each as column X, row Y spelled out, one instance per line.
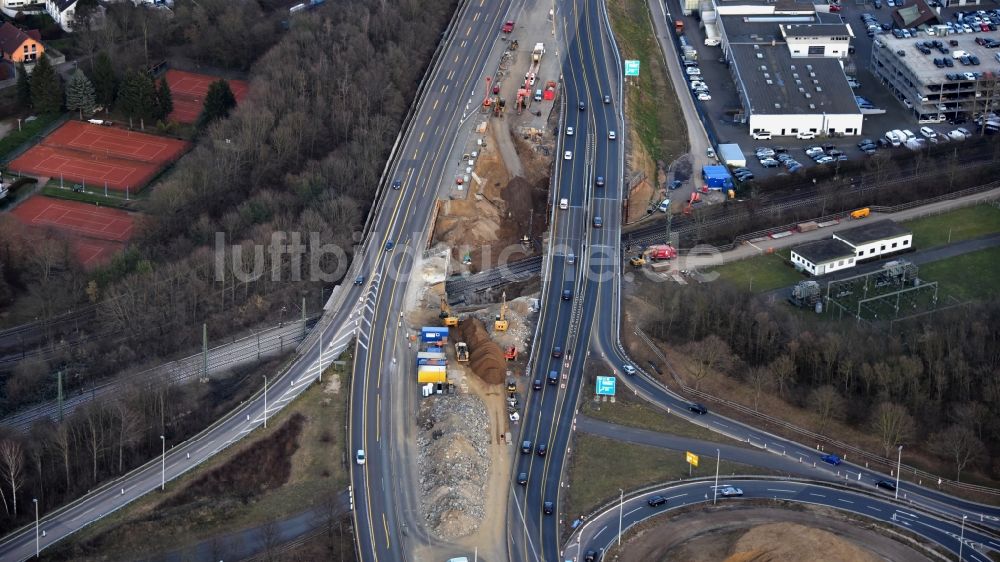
column 471, row 359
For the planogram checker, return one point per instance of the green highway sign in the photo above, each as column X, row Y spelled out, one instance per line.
column 631, row 68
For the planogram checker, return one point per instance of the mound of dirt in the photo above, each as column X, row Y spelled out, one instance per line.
column 485, row 357
column 454, row 463
column 790, row 542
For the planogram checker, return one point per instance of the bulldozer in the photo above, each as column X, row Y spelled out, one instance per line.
column 501, row 324
column 447, row 318
column 461, row 352
column 510, row 354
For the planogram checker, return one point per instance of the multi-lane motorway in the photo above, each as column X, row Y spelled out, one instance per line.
column 382, row 384
column 588, row 229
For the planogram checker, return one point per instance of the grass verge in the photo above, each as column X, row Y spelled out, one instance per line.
column 29, row 129
column 760, row 274
column 651, row 102
column 306, row 466
column 954, row 226
column 631, row 411
column 967, row 277
column 595, row 459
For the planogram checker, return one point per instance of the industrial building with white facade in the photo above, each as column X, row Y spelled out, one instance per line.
column 849, row 247
column 786, row 60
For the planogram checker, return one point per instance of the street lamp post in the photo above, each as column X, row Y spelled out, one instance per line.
column 899, row 465
column 621, row 508
column 37, row 549
column 961, row 538
column 715, row 493
column 163, row 463
column 265, row 401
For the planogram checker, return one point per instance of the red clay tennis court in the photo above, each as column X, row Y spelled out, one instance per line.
column 98, row 156
column 95, row 233
column 188, row 91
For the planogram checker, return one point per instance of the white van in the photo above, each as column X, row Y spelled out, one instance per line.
column 900, row 135
column 664, row 206
column 892, row 138
column 564, row 204
column 761, row 135
column 908, row 135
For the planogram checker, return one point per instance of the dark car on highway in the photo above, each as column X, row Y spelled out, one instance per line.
column 591, row 556
column 600, row 181
column 548, row 508
column 832, row 459
column 557, row 352
column 542, row 447
column 567, row 294
column 698, row 409
column 656, row 501
column 396, row 184
column 522, row 478
column 537, row 385
column 887, row 484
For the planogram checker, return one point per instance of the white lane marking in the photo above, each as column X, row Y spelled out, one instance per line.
column 779, row 490
column 677, row 496
column 843, row 500
column 719, row 423
column 906, row 513
column 817, row 495
column 599, row 532
column 633, row 511
column 873, row 508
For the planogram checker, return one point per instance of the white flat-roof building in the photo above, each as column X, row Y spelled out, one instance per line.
column 852, row 246
column 787, row 64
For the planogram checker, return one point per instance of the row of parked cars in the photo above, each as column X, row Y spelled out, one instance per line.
column 698, row 86
column 777, row 156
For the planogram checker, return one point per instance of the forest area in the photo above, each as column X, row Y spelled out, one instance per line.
column 303, row 154
column 933, row 384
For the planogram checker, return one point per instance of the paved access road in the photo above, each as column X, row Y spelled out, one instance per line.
column 385, row 496
column 601, row 531
column 590, row 71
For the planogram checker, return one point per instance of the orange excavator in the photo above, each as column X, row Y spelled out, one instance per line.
column 695, row 197
column 510, row 354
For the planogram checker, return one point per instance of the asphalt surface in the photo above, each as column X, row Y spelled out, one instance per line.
column 589, row 66
column 601, row 531
column 382, row 388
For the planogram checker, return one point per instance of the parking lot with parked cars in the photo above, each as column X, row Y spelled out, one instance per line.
column 712, row 87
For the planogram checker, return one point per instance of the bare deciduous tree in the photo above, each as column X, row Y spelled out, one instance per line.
column 12, row 463
column 827, row 403
column 709, row 355
column 960, row 445
column 892, row 424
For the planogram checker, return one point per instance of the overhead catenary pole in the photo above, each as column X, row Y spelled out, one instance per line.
column 961, row 538
column 37, row 544
column 163, row 463
column 265, row 401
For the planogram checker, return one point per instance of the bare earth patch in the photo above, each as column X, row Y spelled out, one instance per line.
column 763, row 534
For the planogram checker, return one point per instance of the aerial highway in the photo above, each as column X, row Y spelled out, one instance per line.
column 601, row 530
column 589, row 230
column 382, row 389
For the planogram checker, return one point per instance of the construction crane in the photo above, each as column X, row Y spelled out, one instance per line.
column 449, row 319
column 501, row 324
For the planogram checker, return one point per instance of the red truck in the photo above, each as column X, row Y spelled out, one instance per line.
column 508, row 26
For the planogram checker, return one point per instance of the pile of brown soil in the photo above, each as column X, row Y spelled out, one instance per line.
column 485, row 357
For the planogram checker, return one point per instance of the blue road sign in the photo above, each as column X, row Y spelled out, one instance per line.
column 606, row 386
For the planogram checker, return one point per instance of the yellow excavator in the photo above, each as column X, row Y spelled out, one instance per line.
column 449, row 319
column 501, row 324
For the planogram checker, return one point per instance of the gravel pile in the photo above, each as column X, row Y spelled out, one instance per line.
column 453, row 439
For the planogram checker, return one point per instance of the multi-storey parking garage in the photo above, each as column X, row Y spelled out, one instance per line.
column 939, row 77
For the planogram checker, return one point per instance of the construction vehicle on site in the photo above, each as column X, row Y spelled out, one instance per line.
column 501, row 324
column 449, row 319
column 695, row 197
column 461, row 352
column 510, row 354
column 637, row 260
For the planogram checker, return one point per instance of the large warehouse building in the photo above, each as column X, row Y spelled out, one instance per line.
column 849, row 247
column 786, row 61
